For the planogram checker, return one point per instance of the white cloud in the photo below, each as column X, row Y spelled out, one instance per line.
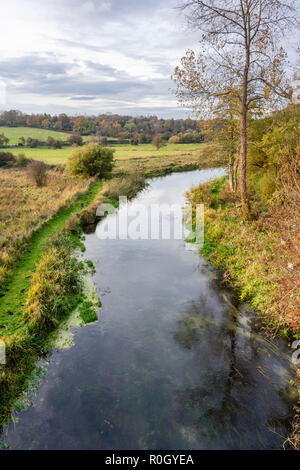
column 118, row 54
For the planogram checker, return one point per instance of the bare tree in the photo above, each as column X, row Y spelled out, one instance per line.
column 239, row 62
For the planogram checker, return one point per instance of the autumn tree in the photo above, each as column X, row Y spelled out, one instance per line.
column 239, row 63
column 91, row 160
column 3, row 140
column 158, row 142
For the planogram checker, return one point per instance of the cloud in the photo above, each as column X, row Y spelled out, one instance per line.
column 83, row 98
column 92, row 55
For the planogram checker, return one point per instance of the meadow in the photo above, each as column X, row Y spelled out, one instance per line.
column 141, row 153
column 14, row 133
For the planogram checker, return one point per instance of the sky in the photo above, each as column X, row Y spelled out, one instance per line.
column 92, row 56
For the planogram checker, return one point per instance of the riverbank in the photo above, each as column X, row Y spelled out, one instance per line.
column 121, row 376
column 258, row 259
column 43, row 290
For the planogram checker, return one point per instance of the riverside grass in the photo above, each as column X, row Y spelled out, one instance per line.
column 258, row 262
column 55, row 290
column 251, row 255
column 12, row 299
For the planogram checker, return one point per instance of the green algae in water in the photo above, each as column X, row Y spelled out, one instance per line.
column 85, row 313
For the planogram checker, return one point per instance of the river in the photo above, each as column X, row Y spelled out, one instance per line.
column 172, row 362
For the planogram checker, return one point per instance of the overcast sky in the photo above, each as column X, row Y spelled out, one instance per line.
column 91, row 56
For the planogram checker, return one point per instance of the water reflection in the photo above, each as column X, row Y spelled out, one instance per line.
column 234, row 364
column 172, row 363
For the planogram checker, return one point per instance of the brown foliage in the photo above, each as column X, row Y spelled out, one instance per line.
column 7, row 159
column 37, row 173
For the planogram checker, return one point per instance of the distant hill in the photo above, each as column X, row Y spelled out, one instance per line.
column 13, row 133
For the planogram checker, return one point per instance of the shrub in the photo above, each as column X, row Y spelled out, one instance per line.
column 37, row 172
column 54, row 143
column 158, row 142
column 3, row 140
column 7, row 159
column 33, row 143
column 128, row 185
column 75, row 139
column 91, row 160
column 21, row 160
column 267, row 185
column 175, row 139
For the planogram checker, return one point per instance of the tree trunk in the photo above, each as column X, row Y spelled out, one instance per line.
column 243, row 157
column 235, row 174
column 231, row 173
column 244, row 140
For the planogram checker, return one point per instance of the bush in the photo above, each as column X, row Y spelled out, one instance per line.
column 7, row 159
column 54, row 143
column 128, row 185
column 3, row 140
column 175, row 139
column 158, row 142
column 91, row 160
column 267, row 185
column 33, row 143
column 37, row 173
column 274, row 155
column 75, row 139
column 21, row 160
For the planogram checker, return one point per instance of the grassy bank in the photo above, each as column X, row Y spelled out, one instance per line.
column 258, row 260
column 25, row 208
column 255, row 259
column 46, row 287
column 55, row 290
column 12, row 299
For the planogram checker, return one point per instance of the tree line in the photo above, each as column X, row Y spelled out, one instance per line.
column 127, row 129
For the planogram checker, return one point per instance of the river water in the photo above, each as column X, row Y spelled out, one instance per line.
column 172, row 363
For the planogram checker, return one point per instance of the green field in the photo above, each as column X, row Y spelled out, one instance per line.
column 123, row 152
column 13, row 133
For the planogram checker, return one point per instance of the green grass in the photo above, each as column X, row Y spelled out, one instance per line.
column 13, row 133
column 123, row 152
column 50, row 156
column 245, row 252
column 88, row 312
column 147, row 150
column 13, row 299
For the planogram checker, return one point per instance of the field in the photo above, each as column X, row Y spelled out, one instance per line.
column 122, row 152
column 13, row 133
column 24, row 208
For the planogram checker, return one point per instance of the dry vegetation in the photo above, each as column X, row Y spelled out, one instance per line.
column 162, row 164
column 24, row 208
